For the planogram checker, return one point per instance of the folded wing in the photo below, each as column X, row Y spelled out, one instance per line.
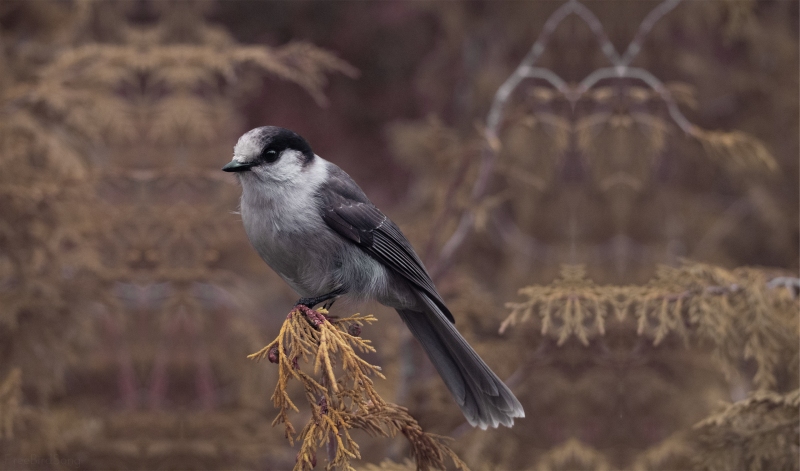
column 347, row 211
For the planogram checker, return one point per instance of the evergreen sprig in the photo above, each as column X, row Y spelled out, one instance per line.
column 340, row 393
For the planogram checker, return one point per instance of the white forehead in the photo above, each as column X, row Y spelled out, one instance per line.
column 248, row 146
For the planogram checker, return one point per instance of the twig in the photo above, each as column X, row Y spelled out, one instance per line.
column 620, row 72
column 644, row 28
column 339, row 404
column 526, row 70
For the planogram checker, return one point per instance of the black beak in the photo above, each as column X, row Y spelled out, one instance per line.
column 236, row 166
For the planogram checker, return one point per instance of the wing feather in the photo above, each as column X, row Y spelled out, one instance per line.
column 347, row 211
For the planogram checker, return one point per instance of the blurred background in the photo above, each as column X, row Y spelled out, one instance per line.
column 628, row 213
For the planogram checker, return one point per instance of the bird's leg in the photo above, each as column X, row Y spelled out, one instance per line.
column 306, row 306
column 329, row 304
column 311, row 302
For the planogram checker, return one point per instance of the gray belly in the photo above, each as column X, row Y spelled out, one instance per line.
column 317, row 261
column 304, row 259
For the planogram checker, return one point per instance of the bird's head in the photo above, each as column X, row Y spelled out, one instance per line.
column 270, row 154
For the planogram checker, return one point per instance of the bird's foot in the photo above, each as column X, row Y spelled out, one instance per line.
column 328, row 299
column 316, row 318
column 329, row 304
column 308, row 302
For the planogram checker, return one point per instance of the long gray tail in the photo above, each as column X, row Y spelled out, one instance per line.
column 483, row 398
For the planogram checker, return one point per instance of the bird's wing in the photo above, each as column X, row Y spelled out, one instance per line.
column 347, row 211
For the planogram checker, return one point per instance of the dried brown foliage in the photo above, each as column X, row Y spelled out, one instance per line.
column 340, row 402
column 573, row 454
column 736, row 312
column 10, row 393
column 758, row 433
column 737, row 315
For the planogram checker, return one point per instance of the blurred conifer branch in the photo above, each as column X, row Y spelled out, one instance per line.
column 571, row 455
column 10, row 394
column 758, row 433
column 171, row 90
column 668, row 452
column 299, row 62
column 389, row 465
column 737, row 312
column 150, row 90
column 109, row 211
column 339, row 403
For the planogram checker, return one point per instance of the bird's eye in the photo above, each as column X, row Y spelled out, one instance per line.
column 270, row 156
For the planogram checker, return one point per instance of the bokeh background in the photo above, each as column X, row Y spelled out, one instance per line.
column 650, row 218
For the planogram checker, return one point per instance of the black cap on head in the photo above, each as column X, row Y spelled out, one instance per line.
column 274, row 140
column 265, row 145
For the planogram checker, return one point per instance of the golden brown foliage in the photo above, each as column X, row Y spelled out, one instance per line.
column 340, row 403
column 388, row 465
column 572, row 454
column 736, row 312
column 10, row 392
column 759, row 433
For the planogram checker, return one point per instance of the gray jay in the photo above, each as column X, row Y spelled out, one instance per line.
column 317, row 229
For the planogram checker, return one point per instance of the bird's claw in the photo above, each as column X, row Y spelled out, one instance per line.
column 316, row 318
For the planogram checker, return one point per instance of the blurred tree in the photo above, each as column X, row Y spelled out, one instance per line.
column 113, row 230
column 600, row 168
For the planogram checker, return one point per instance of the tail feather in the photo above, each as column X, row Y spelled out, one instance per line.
column 483, row 398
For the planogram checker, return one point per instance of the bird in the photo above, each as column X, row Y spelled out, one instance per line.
column 315, row 227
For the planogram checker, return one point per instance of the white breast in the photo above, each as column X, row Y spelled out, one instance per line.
column 282, row 221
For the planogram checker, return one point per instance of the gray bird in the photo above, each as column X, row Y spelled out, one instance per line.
column 317, row 229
